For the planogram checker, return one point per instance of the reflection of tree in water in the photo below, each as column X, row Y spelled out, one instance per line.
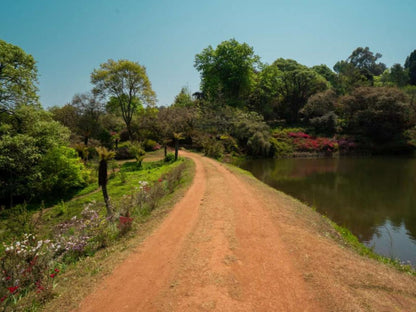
column 358, row 193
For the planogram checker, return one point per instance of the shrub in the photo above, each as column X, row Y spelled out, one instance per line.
column 123, row 152
column 280, row 149
column 212, row 147
column 150, row 145
column 169, row 157
column 259, row 144
column 138, row 152
column 62, row 171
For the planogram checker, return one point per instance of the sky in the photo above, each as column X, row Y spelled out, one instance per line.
column 70, row 38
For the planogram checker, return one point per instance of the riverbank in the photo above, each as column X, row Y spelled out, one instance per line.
column 245, row 246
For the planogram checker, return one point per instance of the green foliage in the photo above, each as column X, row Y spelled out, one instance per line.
column 138, row 152
column 62, row 171
column 251, row 132
column 19, row 171
column 127, row 84
column 184, row 98
column 150, row 145
column 297, row 84
column 395, row 76
column 170, row 157
column 410, row 65
column 380, row 114
column 212, row 147
column 280, row 149
column 227, row 73
column 18, row 78
column 320, row 112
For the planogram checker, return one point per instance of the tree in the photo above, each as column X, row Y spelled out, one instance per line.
column 410, row 65
column 363, row 61
column 89, row 109
column 18, row 78
column 66, row 115
column 297, row 84
column 34, row 162
column 127, row 83
column 227, row 73
column 320, row 112
column 184, row 98
column 105, row 155
column 379, row 114
column 327, row 73
column 396, row 75
column 175, row 124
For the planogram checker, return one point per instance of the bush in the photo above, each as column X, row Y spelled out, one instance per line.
column 62, row 171
column 123, row 152
column 138, row 152
column 212, row 147
column 169, row 157
column 150, row 145
column 280, row 149
column 259, row 144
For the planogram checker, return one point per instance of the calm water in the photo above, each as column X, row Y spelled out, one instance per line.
column 375, row 198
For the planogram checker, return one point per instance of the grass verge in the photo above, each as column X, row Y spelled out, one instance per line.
column 338, row 233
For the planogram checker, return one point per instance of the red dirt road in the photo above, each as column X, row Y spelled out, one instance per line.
column 233, row 244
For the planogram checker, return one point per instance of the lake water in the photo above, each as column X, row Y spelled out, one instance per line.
column 375, row 198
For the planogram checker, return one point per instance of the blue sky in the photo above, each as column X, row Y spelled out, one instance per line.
column 69, row 39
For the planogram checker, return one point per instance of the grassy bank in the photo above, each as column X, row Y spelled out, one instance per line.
column 327, row 227
column 142, row 196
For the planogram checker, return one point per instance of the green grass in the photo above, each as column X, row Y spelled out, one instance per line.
column 117, row 188
column 352, row 241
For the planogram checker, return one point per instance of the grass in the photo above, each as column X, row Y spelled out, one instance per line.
column 80, row 278
column 117, row 188
column 352, row 241
column 343, row 235
column 78, row 274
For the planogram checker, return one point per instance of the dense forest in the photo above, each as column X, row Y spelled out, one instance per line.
column 244, row 107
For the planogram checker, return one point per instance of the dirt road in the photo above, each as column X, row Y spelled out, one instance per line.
column 234, row 244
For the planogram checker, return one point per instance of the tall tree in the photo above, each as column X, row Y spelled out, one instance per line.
column 18, row 78
column 105, row 156
column 89, row 109
column 365, row 62
column 127, row 83
column 227, row 73
column 396, row 75
column 184, row 98
column 297, row 84
column 410, row 65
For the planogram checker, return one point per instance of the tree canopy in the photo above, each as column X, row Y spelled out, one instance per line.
column 18, row 78
column 127, row 83
column 410, row 65
column 227, row 73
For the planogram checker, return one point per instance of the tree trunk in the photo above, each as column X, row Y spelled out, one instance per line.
column 176, row 149
column 102, row 181
column 107, row 201
column 166, row 149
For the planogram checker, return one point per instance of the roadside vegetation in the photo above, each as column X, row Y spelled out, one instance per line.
column 73, row 178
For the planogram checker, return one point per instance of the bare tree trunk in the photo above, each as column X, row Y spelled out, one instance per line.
column 176, row 149
column 102, row 181
column 166, row 149
column 107, row 201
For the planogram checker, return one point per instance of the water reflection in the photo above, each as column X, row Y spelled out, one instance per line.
column 373, row 197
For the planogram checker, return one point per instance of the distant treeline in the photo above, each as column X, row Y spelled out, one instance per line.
column 244, row 107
